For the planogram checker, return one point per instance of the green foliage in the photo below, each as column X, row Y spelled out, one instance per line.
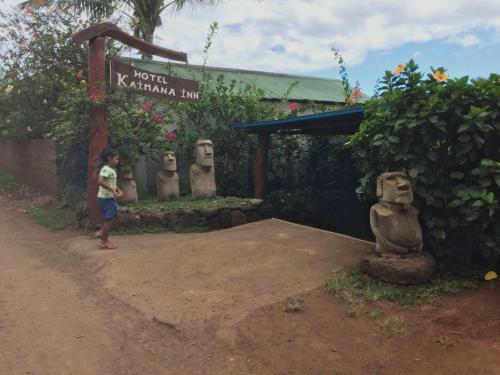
column 8, row 182
column 185, row 203
column 351, row 287
column 51, row 218
column 38, row 60
column 133, row 130
column 222, row 103
column 445, row 135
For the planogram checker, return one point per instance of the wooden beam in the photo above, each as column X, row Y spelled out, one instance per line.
column 113, row 31
column 261, row 157
column 97, row 123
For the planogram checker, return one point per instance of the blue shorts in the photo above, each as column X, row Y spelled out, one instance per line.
column 109, row 207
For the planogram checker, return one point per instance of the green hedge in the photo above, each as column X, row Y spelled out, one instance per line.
column 445, row 133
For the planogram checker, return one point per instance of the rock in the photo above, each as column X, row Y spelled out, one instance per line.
column 253, row 216
column 126, row 219
column 255, row 201
column 415, row 269
column 208, row 212
column 213, row 222
column 247, row 208
column 237, row 218
column 170, row 219
column 189, row 219
column 153, row 218
column 225, row 218
column 266, row 210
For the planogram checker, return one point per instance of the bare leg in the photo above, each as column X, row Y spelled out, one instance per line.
column 106, row 228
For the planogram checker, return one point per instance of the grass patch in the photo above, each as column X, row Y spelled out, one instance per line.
column 51, row 218
column 351, row 287
column 395, row 326
column 294, row 304
column 185, row 202
column 143, row 228
column 9, row 184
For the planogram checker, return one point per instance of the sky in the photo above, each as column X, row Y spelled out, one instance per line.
column 296, row 36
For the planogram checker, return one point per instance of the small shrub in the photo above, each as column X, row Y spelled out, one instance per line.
column 445, row 135
column 294, row 304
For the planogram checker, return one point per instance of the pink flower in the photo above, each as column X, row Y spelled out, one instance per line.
column 146, row 106
column 170, row 136
column 157, row 117
column 28, row 10
column 80, row 21
column 293, row 106
column 356, row 93
column 93, row 97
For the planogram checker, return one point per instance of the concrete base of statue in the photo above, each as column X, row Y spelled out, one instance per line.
column 410, row 269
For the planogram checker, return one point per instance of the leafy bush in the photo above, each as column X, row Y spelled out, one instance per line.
column 445, row 133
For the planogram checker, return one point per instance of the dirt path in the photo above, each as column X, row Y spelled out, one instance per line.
column 56, row 318
column 66, row 308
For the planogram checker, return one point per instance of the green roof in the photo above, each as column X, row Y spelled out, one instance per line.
column 274, row 85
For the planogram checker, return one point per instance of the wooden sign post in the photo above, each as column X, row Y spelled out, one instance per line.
column 96, row 35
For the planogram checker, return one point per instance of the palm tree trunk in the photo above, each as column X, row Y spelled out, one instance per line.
column 148, row 34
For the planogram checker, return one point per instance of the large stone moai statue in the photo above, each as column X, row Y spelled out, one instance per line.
column 202, row 173
column 128, row 186
column 394, row 221
column 167, row 179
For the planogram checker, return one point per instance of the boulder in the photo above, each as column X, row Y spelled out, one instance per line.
column 255, row 201
column 208, row 212
column 225, row 218
column 153, row 218
column 189, row 219
column 126, row 219
column 237, row 218
column 266, row 211
column 170, row 219
column 409, row 270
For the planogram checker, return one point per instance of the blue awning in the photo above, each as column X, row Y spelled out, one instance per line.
column 346, row 121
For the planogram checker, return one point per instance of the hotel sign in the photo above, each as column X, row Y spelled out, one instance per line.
column 153, row 84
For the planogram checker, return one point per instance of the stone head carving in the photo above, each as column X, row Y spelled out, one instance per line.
column 169, row 162
column 204, row 153
column 126, row 174
column 394, row 187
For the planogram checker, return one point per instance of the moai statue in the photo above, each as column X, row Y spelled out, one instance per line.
column 128, row 186
column 167, row 180
column 202, row 173
column 398, row 254
column 394, row 221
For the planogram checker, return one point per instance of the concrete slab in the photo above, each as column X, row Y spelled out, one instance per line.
column 217, row 278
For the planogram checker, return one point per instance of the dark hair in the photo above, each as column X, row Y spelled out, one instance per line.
column 106, row 154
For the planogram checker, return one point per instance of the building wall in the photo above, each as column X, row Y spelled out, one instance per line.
column 32, row 162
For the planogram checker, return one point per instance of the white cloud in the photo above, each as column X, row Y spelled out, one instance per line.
column 297, row 35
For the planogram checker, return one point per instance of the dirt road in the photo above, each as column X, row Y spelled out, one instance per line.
column 66, row 308
column 55, row 317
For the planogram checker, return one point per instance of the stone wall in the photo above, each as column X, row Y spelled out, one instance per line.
column 213, row 218
column 32, row 162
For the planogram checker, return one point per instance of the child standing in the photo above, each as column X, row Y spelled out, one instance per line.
column 108, row 192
